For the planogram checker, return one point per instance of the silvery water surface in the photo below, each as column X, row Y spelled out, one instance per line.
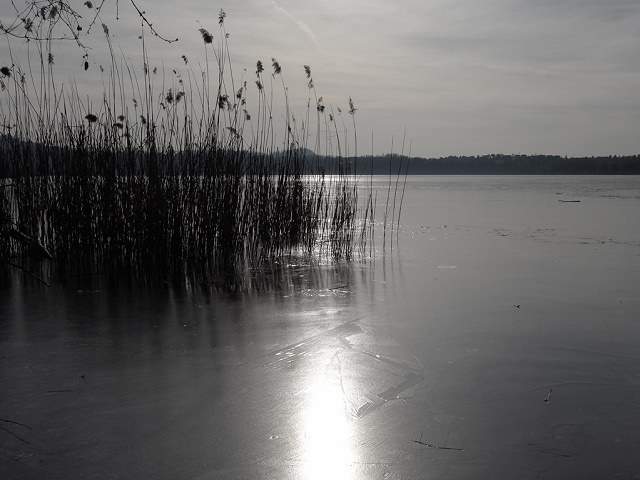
column 500, row 339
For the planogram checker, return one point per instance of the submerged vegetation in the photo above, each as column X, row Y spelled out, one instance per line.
column 171, row 175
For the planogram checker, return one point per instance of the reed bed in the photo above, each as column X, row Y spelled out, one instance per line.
column 168, row 175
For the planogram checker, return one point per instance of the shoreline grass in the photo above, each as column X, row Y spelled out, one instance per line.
column 169, row 178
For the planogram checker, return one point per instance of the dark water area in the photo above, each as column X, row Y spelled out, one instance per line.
column 499, row 339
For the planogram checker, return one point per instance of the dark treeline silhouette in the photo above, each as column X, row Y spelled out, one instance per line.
column 392, row 164
column 495, row 164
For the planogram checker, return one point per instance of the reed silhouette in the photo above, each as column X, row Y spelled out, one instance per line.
column 169, row 175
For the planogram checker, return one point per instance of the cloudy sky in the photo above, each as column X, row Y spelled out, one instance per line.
column 461, row 76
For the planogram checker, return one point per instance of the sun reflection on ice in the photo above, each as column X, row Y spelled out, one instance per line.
column 327, row 432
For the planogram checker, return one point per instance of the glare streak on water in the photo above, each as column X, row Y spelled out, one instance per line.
column 327, row 431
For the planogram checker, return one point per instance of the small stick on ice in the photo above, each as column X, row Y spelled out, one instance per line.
column 431, row 445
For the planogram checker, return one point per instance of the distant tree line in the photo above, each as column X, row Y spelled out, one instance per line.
column 393, row 164
column 495, row 164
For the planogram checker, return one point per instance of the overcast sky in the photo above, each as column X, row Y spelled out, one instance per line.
column 462, row 76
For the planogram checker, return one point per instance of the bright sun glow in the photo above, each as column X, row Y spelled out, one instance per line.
column 327, row 432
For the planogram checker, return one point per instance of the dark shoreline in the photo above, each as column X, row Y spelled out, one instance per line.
column 493, row 165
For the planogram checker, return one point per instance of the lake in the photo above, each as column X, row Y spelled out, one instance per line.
column 499, row 339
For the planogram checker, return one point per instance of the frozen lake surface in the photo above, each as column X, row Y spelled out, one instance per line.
column 500, row 339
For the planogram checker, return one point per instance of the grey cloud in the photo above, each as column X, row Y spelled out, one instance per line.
column 465, row 76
